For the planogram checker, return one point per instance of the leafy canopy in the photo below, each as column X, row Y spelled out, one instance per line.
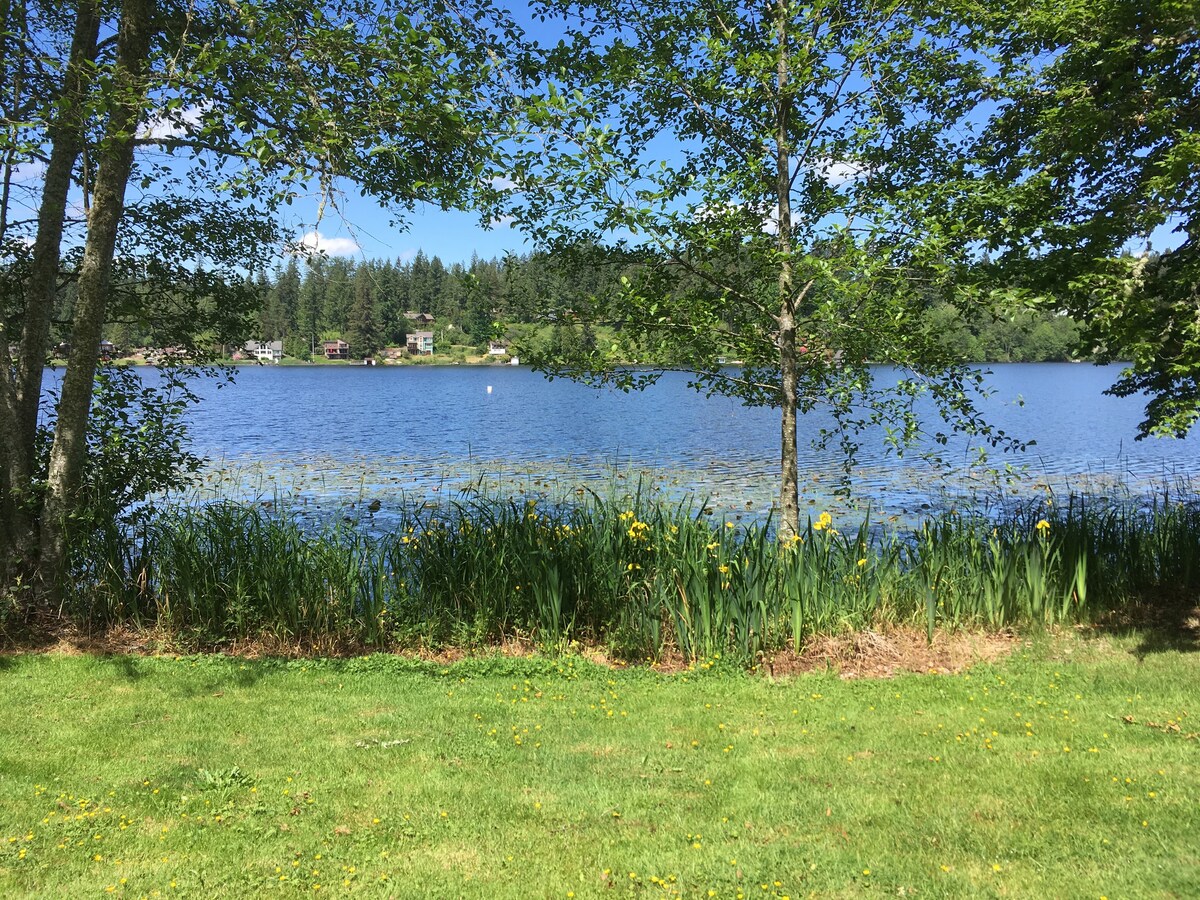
column 774, row 182
column 1092, row 157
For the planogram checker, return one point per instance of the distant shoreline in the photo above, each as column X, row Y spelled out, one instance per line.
column 485, row 362
column 306, row 364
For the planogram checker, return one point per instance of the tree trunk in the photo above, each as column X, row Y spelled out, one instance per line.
column 21, row 384
column 789, row 485
column 115, row 162
column 13, row 25
column 789, row 384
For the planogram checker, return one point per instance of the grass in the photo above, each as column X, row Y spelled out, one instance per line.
column 1069, row 770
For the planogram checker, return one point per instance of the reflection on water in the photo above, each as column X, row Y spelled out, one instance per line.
column 325, row 438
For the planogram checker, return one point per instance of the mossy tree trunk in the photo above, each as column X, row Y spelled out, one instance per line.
column 114, row 165
column 21, row 380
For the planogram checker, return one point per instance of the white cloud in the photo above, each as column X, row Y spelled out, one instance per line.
column 315, row 242
column 769, row 220
column 504, row 185
column 837, row 172
column 173, row 123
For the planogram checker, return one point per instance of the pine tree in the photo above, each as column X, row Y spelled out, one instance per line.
column 391, row 298
column 361, row 330
column 339, row 294
column 287, row 297
column 310, row 301
column 422, row 288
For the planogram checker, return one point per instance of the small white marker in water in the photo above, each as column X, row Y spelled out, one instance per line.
column 489, row 388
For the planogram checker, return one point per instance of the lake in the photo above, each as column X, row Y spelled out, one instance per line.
column 322, row 437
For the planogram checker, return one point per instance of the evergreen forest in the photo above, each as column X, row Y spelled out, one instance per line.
column 533, row 304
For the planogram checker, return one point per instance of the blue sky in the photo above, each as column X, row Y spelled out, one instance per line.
column 360, row 228
column 352, row 226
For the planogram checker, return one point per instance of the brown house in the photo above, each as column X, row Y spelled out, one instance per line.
column 337, row 350
column 419, row 317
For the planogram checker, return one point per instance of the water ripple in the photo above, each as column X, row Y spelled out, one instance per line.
column 340, row 436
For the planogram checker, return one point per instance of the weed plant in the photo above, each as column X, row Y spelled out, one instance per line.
column 642, row 578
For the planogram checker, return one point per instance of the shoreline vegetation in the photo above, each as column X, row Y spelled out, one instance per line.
column 637, row 580
column 533, row 311
column 812, row 189
column 610, row 697
column 291, row 362
column 447, row 360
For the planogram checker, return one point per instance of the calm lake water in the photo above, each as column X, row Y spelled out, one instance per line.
column 339, row 437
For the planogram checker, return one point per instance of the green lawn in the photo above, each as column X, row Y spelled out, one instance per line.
column 207, row 776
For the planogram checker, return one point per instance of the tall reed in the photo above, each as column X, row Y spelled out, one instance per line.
column 646, row 579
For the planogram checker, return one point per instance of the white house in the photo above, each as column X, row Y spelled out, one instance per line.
column 265, row 351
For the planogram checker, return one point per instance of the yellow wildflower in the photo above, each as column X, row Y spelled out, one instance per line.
column 638, row 531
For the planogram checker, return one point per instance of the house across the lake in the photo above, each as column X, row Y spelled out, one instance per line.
column 419, row 317
column 497, row 348
column 336, row 350
column 420, row 343
column 265, row 351
column 107, row 349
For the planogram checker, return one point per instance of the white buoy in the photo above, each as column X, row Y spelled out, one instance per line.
column 489, row 388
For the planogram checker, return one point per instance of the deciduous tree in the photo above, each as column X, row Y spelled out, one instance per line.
column 257, row 102
column 778, row 175
column 1090, row 192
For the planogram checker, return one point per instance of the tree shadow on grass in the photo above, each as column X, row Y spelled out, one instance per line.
column 1165, row 625
column 127, row 667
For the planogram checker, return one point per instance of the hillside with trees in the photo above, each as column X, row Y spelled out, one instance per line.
column 535, row 306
